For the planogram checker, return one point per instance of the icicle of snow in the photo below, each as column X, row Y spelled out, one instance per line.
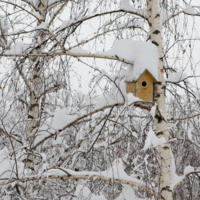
column 153, row 110
column 189, row 133
column 197, row 94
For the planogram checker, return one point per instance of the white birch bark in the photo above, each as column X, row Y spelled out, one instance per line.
column 33, row 113
column 159, row 98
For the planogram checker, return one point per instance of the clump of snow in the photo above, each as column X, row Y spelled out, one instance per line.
column 125, row 5
column 175, row 179
column 128, row 193
column 78, row 51
column 58, row 140
column 18, row 48
column 189, row 10
column 116, row 171
column 44, row 132
column 82, row 192
column 37, row 14
column 177, row 77
column 143, row 54
column 43, row 25
column 7, row 166
column 131, row 98
column 51, row 1
column 153, row 141
column 108, row 100
column 62, row 119
column 65, row 24
column 188, row 170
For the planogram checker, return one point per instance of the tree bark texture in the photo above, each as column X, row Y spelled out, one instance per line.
column 36, row 86
column 164, row 160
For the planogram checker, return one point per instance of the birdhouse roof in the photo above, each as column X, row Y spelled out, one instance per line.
column 149, row 73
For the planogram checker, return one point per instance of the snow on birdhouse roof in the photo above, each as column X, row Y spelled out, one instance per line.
column 144, row 55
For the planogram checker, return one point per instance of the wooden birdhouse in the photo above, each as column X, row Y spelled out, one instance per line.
column 142, row 87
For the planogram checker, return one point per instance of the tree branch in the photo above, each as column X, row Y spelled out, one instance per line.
column 69, row 54
column 86, row 177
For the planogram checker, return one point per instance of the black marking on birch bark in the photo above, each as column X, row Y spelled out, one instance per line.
column 160, row 133
column 32, row 168
column 30, row 117
column 33, row 105
column 156, row 32
column 166, row 147
column 35, row 76
column 29, row 160
column 154, row 42
column 158, row 15
column 159, row 118
column 163, row 87
column 166, row 188
column 159, row 83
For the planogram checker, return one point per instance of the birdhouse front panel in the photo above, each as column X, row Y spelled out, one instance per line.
column 144, row 87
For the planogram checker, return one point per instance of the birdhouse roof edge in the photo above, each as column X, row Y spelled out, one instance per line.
column 146, row 70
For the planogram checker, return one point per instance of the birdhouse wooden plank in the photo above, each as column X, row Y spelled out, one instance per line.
column 143, row 86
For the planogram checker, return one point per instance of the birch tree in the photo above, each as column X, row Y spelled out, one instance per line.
column 58, row 142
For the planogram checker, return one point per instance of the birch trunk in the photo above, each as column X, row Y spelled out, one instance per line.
column 159, row 98
column 33, row 113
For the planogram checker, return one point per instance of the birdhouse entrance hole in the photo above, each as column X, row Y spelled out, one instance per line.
column 144, row 83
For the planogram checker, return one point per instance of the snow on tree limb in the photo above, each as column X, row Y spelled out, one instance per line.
column 68, row 54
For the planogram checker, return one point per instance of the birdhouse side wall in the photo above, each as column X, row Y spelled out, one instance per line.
column 131, row 88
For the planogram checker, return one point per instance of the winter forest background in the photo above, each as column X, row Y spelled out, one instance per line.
column 68, row 128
